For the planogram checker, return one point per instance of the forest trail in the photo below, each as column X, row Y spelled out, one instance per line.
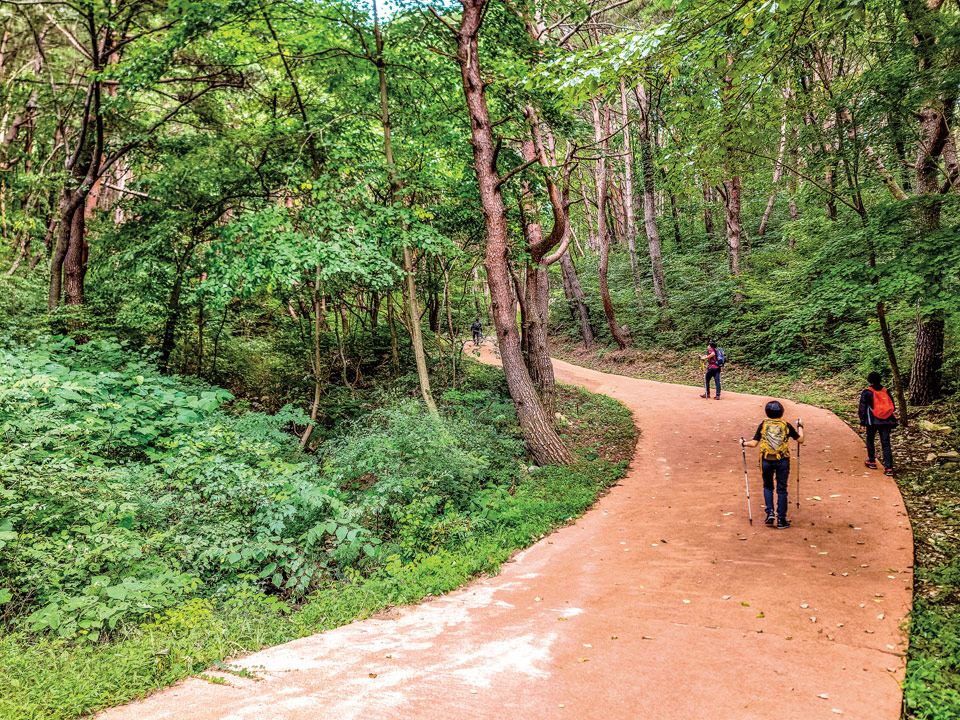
column 661, row 602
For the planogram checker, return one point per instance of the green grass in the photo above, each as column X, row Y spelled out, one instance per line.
column 48, row 677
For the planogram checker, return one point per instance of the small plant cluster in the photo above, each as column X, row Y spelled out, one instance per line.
column 146, row 520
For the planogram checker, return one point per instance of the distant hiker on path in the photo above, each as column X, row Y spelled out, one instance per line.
column 773, row 436
column 714, row 360
column 477, row 330
column 877, row 418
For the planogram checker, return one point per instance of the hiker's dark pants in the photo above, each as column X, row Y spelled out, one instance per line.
column 781, row 470
column 884, row 432
column 476, row 337
column 712, row 373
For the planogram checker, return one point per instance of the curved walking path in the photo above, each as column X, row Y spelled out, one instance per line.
column 662, row 602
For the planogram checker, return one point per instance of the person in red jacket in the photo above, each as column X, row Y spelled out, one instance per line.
column 877, row 417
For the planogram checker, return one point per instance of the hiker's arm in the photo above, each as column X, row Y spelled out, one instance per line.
column 749, row 443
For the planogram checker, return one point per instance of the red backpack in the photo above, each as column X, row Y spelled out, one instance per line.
column 882, row 404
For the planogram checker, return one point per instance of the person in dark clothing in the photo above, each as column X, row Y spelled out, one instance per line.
column 477, row 330
column 877, row 417
column 713, row 369
column 773, row 436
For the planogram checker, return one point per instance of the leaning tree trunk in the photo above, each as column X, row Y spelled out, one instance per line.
column 576, row 298
column 777, row 175
column 544, row 442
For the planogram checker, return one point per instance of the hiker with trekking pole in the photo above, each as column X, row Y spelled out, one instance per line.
column 773, row 437
column 877, row 417
column 713, row 363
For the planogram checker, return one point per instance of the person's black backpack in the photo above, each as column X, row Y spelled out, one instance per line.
column 721, row 357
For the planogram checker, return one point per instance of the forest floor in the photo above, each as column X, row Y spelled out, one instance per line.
column 928, row 478
column 662, row 596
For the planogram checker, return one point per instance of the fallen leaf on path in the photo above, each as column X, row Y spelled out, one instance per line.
column 823, row 696
column 726, row 597
column 373, row 675
column 745, row 603
column 613, row 637
column 583, row 659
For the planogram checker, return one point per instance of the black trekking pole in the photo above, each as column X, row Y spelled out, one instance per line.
column 799, row 425
column 746, row 481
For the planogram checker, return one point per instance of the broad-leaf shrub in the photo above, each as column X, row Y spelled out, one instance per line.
column 126, row 492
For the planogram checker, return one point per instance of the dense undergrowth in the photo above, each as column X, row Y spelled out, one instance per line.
column 152, row 526
column 930, row 488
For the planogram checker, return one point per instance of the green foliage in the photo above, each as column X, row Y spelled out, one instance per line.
column 146, row 520
column 932, row 685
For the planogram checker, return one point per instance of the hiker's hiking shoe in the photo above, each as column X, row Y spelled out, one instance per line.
column 783, row 524
column 771, row 519
column 704, row 395
column 717, row 397
column 871, row 465
column 888, row 471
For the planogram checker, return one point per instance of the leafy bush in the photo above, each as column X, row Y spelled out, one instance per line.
column 126, row 492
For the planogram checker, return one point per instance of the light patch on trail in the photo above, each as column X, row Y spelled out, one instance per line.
column 415, row 629
column 523, row 654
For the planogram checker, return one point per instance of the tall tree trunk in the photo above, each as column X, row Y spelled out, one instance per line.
column 544, row 443
column 592, row 241
column 413, row 310
column 391, row 322
column 792, row 185
column 731, row 206
column 416, row 335
column 777, row 175
column 603, row 235
column 628, row 199
column 707, row 208
column 316, row 361
column 576, row 298
column 649, row 198
column 935, row 114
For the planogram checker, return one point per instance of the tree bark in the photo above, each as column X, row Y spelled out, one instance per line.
column 603, row 234
column 413, row 310
column 576, row 298
column 592, row 242
column 925, row 375
column 777, row 175
column 731, row 206
column 649, row 199
column 628, row 197
column 707, row 208
column 544, row 443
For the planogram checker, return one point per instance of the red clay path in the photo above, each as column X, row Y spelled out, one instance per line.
column 662, row 602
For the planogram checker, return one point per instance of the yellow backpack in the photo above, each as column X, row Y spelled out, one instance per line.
column 774, row 440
